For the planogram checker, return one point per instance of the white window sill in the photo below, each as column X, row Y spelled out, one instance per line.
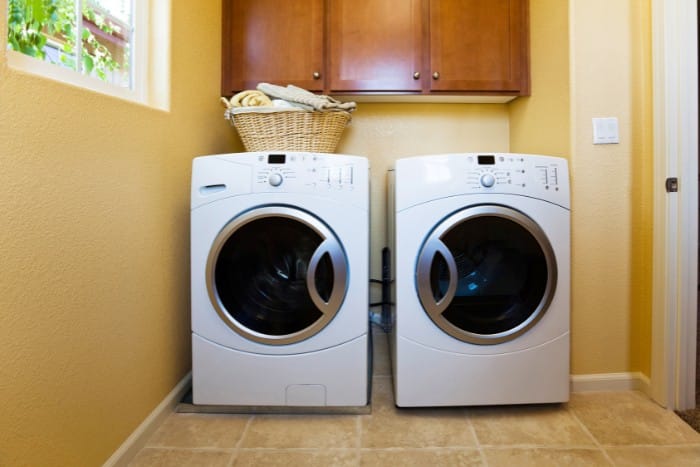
column 34, row 66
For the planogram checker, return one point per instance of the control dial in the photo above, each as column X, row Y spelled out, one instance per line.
column 487, row 180
column 275, row 179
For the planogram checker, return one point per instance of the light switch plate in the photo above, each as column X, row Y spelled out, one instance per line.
column 606, row 131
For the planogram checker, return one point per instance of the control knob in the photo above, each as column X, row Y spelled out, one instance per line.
column 275, row 179
column 487, row 180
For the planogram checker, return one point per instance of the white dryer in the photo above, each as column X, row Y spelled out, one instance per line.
column 480, row 253
column 279, row 258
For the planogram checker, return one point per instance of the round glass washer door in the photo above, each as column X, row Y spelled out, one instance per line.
column 276, row 275
column 486, row 274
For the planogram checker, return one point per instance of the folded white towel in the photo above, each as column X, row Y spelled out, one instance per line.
column 282, row 104
column 302, row 96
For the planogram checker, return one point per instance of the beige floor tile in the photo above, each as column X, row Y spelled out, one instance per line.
column 629, row 430
column 306, row 458
column 417, row 428
column 200, row 431
column 302, row 431
column 391, row 427
column 163, row 457
column 658, row 456
column 626, row 418
column 541, row 425
column 545, row 457
column 421, row 458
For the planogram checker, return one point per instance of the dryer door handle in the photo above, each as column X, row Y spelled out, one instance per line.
column 339, row 266
column 432, row 248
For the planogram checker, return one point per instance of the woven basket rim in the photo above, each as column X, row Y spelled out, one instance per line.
column 280, row 129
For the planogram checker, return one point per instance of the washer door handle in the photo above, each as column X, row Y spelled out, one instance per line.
column 433, row 247
column 339, row 266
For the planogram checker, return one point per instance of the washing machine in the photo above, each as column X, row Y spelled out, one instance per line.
column 279, row 279
column 480, row 251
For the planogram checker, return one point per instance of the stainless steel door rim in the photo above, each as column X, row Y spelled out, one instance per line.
column 434, row 245
column 329, row 246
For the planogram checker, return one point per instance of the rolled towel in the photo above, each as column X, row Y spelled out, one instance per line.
column 250, row 98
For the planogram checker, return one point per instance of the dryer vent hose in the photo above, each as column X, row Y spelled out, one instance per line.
column 382, row 317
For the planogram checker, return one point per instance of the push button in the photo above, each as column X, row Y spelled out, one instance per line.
column 346, row 175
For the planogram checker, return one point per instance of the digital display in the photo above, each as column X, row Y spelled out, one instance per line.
column 276, row 158
column 486, row 160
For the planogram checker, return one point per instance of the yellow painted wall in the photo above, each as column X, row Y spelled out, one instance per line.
column 642, row 170
column 94, row 248
column 611, row 190
column 541, row 123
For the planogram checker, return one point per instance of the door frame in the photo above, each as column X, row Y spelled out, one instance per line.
column 675, row 244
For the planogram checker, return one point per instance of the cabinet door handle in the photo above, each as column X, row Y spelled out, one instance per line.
column 317, row 75
column 436, row 75
column 416, row 75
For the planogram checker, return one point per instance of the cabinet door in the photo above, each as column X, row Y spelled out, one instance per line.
column 479, row 46
column 272, row 41
column 375, row 45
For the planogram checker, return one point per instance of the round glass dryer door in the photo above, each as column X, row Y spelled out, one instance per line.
column 486, row 274
column 276, row 275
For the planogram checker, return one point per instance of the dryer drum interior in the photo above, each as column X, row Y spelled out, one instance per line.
column 486, row 274
column 276, row 275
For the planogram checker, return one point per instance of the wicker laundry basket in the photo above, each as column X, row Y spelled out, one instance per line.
column 289, row 130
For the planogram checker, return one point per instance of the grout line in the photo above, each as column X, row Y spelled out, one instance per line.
column 189, row 448
column 633, row 446
column 244, row 433
column 587, row 431
column 232, row 459
column 554, row 447
column 476, row 440
column 237, row 448
column 306, row 449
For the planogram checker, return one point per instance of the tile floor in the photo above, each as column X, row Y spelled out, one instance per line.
column 593, row 429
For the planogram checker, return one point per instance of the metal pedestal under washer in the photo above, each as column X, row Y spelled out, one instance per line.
column 480, row 249
column 279, row 257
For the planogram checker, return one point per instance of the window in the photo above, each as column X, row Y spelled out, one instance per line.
column 93, row 37
column 101, row 45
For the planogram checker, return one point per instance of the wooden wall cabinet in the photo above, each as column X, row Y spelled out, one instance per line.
column 412, row 47
column 479, row 45
column 375, row 45
column 272, row 41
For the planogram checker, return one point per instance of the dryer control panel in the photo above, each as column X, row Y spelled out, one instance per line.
column 491, row 170
column 425, row 178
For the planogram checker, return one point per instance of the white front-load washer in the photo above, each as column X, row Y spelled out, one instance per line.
column 279, row 278
column 480, row 250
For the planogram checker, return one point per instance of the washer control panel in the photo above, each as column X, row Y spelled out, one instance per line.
column 342, row 177
column 301, row 172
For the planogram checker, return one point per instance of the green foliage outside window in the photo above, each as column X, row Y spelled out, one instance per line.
column 32, row 23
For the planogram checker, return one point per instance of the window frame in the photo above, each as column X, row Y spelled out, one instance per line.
column 150, row 82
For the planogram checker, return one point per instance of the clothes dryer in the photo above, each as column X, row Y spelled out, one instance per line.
column 480, row 249
column 279, row 278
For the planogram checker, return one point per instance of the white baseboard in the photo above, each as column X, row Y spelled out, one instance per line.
column 631, row 381
column 137, row 440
